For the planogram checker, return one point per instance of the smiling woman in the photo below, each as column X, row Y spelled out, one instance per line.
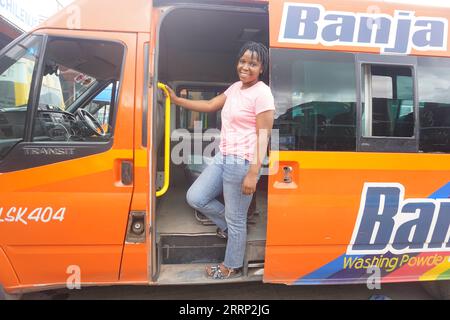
column 223, row 65
column 252, row 64
column 247, row 114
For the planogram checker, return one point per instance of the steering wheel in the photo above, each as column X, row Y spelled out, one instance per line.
column 90, row 122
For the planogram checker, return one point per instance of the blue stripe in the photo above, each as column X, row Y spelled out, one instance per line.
column 442, row 193
column 322, row 274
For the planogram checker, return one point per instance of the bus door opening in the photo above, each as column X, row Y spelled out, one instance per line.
column 199, row 63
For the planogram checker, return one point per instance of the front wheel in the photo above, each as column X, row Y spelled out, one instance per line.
column 439, row 290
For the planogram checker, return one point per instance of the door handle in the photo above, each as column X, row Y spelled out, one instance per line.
column 126, row 172
column 287, row 170
column 166, row 185
column 288, row 181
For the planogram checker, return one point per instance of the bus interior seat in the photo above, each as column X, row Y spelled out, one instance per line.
column 321, row 122
column 435, row 127
column 438, row 115
column 346, row 118
column 343, row 131
column 381, row 118
column 404, row 127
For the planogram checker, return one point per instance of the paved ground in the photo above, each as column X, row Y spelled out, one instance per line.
column 249, row 291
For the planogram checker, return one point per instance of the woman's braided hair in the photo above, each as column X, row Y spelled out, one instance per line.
column 260, row 49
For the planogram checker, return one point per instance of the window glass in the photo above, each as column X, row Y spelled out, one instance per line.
column 405, row 87
column 382, row 87
column 79, row 90
column 206, row 121
column 315, row 95
column 100, row 106
column 434, row 97
column 388, row 99
column 17, row 67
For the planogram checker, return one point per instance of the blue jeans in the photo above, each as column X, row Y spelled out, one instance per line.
column 225, row 175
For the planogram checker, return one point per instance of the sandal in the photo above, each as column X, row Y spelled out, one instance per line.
column 222, row 234
column 201, row 217
column 220, row 272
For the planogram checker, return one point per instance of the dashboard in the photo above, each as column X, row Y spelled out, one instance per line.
column 49, row 125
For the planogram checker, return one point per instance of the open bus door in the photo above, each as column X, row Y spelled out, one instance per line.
column 354, row 187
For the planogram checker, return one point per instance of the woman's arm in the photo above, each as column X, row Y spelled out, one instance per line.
column 212, row 105
column 264, row 125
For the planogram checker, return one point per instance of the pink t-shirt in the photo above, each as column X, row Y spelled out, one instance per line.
column 238, row 136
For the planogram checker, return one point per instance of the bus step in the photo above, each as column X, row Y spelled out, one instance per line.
column 181, row 249
column 189, row 274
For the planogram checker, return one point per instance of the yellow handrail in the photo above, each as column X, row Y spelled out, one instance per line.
column 166, row 185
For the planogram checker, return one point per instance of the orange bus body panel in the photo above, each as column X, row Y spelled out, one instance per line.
column 104, row 15
column 136, row 257
column 311, row 227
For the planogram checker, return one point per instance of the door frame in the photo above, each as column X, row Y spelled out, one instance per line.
column 244, row 8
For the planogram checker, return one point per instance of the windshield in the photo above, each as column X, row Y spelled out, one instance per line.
column 16, row 73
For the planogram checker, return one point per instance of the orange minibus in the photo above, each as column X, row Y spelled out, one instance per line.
column 95, row 161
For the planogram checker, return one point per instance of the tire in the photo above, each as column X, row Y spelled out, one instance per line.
column 439, row 290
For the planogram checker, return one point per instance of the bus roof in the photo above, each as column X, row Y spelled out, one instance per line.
column 418, row 25
column 103, row 15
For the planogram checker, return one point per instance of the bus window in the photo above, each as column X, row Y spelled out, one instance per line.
column 206, row 121
column 388, row 101
column 16, row 73
column 434, row 96
column 316, row 100
column 78, row 88
column 100, row 106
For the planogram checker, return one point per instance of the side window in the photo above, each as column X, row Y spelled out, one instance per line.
column 79, row 91
column 17, row 67
column 388, row 101
column 188, row 118
column 101, row 107
column 316, row 100
column 434, row 97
